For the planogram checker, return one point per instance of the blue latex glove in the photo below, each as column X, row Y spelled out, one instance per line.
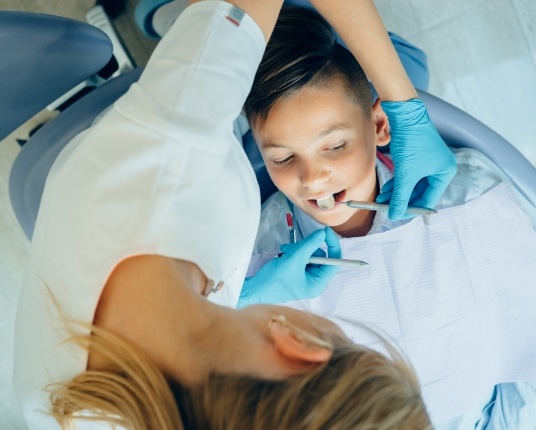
column 289, row 277
column 424, row 165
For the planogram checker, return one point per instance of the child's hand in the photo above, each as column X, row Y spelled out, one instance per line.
column 423, row 163
column 289, row 277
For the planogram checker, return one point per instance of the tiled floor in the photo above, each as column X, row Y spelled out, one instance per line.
column 482, row 57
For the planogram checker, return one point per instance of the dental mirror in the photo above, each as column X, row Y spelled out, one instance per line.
column 326, row 203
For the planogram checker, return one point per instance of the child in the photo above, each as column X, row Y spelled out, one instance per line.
column 417, row 149
column 318, row 127
column 432, row 288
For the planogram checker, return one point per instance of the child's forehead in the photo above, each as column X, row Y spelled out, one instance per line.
column 304, row 134
column 311, row 107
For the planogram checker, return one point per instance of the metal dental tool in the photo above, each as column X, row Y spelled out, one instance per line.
column 329, row 202
column 328, row 261
column 381, row 207
column 356, row 264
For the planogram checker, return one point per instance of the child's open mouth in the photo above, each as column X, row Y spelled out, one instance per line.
column 328, row 203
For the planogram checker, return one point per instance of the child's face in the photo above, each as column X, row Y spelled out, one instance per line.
column 319, row 142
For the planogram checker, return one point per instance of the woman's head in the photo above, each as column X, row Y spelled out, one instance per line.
column 313, row 117
column 354, row 388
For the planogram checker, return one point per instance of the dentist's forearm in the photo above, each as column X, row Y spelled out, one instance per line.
column 360, row 26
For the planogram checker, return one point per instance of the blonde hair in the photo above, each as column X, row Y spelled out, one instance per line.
column 358, row 389
column 131, row 392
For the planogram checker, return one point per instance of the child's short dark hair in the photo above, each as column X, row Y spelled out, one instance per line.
column 303, row 50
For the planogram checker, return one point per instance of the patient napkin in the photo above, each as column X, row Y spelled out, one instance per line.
column 458, row 297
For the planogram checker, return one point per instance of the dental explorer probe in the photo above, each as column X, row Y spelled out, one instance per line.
column 381, row 207
column 329, row 202
column 356, row 264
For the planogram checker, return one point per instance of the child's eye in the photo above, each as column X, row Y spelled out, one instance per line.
column 339, row 147
column 282, row 162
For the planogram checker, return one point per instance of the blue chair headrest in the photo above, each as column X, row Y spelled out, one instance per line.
column 43, row 57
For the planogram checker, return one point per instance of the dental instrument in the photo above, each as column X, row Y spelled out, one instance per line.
column 355, row 264
column 291, row 229
column 342, row 262
column 329, row 202
column 320, row 260
column 414, row 210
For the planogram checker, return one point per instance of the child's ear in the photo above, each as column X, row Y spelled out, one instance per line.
column 381, row 122
column 293, row 347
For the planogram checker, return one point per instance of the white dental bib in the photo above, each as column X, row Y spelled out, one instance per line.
column 458, row 297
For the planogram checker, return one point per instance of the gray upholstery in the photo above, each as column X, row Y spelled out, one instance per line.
column 41, row 58
column 459, row 129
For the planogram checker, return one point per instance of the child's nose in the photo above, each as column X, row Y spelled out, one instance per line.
column 313, row 174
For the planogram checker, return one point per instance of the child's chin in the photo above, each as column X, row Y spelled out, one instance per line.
column 331, row 220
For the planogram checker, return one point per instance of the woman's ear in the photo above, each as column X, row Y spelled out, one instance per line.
column 294, row 347
column 381, row 122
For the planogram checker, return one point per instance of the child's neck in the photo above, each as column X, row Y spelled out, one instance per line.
column 357, row 226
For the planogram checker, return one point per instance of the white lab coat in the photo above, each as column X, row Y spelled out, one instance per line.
column 160, row 173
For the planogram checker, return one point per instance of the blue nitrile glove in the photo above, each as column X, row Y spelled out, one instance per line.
column 289, row 277
column 424, row 165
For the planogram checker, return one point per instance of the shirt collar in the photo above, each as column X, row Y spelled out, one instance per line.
column 381, row 222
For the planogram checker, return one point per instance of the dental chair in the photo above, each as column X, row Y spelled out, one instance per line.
column 34, row 161
column 43, row 57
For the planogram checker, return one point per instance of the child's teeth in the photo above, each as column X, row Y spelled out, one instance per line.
column 326, row 203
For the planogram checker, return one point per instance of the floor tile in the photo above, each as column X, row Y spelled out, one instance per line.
column 399, row 17
column 14, row 249
column 526, row 17
column 410, row 17
column 480, row 62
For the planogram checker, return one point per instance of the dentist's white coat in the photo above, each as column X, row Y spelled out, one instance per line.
column 158, row 174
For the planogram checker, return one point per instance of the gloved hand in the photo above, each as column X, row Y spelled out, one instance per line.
column 289, row 277
column 423, row 164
